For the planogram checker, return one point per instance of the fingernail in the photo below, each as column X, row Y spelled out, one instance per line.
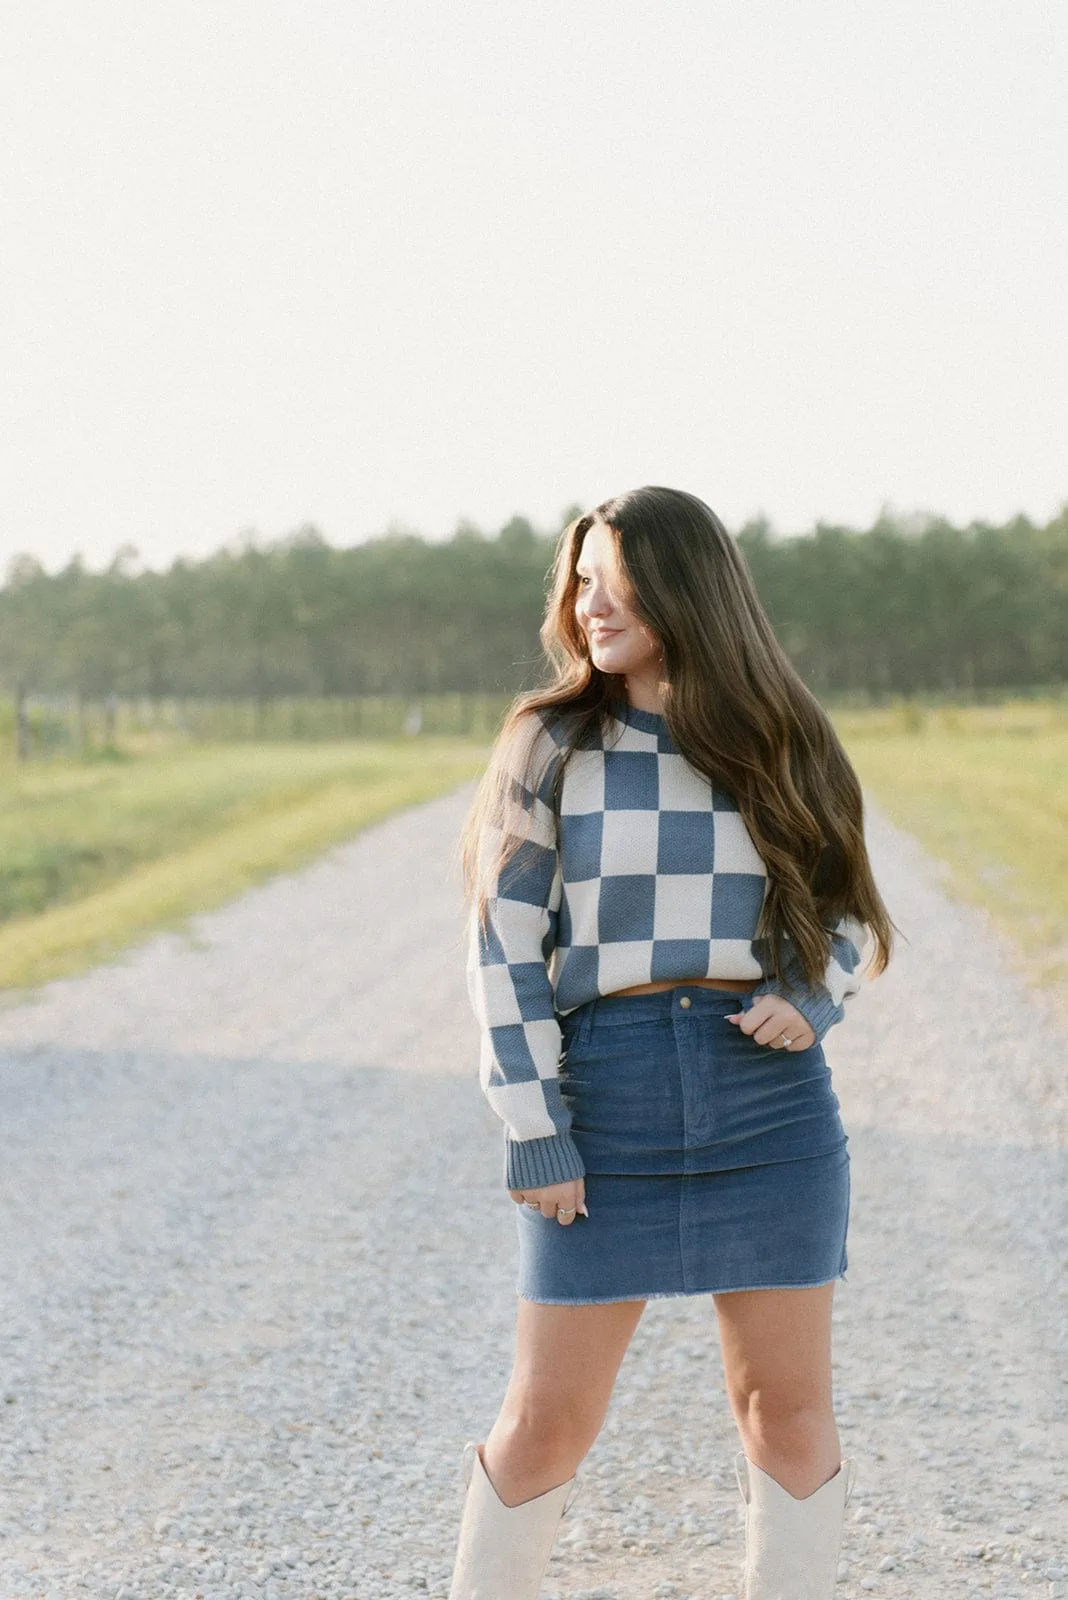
column 583, row 1210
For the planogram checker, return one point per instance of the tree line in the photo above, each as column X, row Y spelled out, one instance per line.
column 894, row 609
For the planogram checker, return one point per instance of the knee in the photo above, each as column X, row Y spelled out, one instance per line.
column 781, row 1415
column 537, row 1442
column 549, row 1426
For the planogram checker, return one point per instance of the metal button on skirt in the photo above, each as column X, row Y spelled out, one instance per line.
column 713, row 1163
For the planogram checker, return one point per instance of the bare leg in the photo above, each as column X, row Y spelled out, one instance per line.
column 777, row 1358
column 566, row 1362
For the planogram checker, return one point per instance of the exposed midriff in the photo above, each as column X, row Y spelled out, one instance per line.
column 743, row 985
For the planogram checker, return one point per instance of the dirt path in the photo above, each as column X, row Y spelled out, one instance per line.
column 259, row 1263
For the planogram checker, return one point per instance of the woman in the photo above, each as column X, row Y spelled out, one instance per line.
column 670, row 891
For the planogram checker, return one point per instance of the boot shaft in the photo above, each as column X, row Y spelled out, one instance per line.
column 503, row 1551
column 791, row 1546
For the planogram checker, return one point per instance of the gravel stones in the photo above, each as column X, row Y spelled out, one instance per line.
column 259, row 1267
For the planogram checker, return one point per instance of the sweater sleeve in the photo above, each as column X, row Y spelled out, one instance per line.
column 512, row 996
column 823, row 1004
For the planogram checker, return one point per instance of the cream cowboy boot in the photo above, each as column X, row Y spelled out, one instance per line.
column 503, row 1551
column 791, row 1546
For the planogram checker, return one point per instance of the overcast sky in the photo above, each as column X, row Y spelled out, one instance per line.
column 368, row 263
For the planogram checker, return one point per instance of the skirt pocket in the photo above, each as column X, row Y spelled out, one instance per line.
column 650, row 1098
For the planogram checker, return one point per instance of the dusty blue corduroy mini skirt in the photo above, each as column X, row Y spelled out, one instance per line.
column 713, row 1163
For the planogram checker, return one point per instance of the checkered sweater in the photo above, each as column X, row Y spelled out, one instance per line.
column 642, row 870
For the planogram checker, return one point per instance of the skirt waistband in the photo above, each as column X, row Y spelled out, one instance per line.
column 683, row 1000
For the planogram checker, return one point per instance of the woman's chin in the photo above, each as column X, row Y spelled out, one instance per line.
column 619, row 662
column 610, row 658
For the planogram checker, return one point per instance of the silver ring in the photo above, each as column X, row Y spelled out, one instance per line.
column 786, row 1037
column 566, row 1211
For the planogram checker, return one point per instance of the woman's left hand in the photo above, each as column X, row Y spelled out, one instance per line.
column 769, row 1017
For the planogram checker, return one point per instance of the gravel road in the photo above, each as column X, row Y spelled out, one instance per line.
column 258, row 1267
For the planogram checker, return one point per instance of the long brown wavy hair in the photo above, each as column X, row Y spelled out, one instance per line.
column 734, row 705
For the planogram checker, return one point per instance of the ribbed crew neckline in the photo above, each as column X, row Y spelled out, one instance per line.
column 647, row 721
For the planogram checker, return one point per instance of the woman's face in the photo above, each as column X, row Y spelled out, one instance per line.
column 618, row 642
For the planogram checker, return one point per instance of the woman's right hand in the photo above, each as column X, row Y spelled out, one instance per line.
column 567, row 1198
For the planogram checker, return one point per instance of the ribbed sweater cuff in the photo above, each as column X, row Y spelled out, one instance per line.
column 819, row 1011
column 535, row 1163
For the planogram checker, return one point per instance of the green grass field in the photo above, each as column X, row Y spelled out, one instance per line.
column 96, row 854
column 985, row 789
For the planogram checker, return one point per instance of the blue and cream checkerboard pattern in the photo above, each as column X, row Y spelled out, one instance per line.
column 643, row 870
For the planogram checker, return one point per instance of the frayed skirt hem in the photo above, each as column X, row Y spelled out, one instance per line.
column 673, row 1294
